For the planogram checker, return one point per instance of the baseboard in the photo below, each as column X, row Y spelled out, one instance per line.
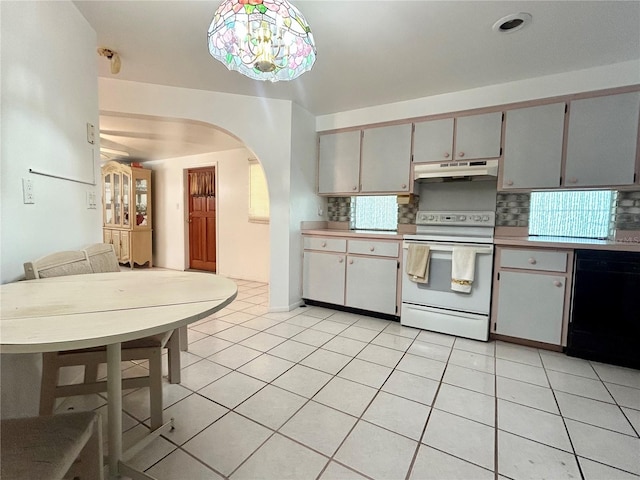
column 292, row 306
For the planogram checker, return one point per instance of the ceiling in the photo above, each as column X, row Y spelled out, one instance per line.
column 373, row 52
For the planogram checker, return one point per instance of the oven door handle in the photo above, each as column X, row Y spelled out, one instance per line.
column 438, row 247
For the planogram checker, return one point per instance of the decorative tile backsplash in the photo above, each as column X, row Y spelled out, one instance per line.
column 512, row 209
column 627, row 213
column 339, row 209
column 407, row 211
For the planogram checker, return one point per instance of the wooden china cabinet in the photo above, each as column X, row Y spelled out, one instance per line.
column 126, row 212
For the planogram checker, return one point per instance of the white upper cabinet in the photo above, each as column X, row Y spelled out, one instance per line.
column 533, row 147
column 478, row 136
column 339, row 162
column 602, row 140
column 433, row 141
column 386, row 159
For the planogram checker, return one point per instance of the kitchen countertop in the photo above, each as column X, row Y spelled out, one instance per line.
column 565, row 242
column 377, row 234
column 529, row 241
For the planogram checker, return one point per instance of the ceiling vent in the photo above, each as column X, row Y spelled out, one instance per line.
column 512, row 23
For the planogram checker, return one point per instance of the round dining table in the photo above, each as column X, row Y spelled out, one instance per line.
column 106, row 309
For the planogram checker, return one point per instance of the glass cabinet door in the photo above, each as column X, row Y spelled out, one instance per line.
column 108, row 200
column 117, row 210
column 126, row 182
column 142, row 199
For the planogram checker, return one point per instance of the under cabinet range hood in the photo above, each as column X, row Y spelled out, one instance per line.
column 457, row 170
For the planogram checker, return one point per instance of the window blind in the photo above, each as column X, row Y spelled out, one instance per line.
column 572, row 214
column 376, row 213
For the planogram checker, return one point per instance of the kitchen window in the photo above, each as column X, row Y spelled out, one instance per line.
column 584, row 214
column 258, row 194
column 375, row 213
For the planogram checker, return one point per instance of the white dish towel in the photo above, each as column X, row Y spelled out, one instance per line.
column 463, row 266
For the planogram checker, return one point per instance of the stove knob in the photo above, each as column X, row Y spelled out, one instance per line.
column 430, row 217
column 477, row 218
column 462, row 218
column 485, row 218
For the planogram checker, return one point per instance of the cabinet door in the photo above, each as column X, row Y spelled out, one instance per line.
column 108, row 197
column 602, row 140
column 533, row 147
column 371, row 284
column 107, row 237
column 339, row 162
column 478, row 136
column 115, row 240
column 323, row 277
column 125, row 246
column 386, row 159
column 433, row 141
column 521, row 314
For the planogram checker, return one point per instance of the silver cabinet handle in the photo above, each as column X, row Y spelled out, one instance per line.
column 557, row 283
column 446, row 154
column 323, row 244
column 350, row 261
column 340, row 260
column 533, row 261
column 461, row 154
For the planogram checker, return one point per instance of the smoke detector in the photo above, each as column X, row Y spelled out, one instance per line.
column 512, row 23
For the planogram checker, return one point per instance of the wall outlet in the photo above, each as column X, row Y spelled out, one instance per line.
column 27, row 191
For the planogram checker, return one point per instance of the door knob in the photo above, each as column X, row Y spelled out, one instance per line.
column 351, row 262
column 557, row 283
column 461, row 154
column 533, row 261
column 446, row 154
column 340, row 260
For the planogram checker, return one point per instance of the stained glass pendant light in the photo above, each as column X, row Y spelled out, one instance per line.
column 262, row 39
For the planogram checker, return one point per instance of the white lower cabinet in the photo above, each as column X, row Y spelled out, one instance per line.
column 371, row 284
column 365, row 276
column 323, row 277
column 530, row 294
column 530, row 306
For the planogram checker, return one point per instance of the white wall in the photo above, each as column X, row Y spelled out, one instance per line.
column 263, row 125
column 49, row 93
column 243, row 247
column 305, row 204
column 609, row 76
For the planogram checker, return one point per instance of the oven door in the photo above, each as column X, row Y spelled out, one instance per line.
column 437, row 292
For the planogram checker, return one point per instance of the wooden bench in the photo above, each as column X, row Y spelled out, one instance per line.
column 47, row 447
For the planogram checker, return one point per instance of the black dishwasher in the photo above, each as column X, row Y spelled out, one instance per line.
column 605, row 318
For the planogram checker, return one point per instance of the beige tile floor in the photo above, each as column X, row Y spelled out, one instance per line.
column 322, row 394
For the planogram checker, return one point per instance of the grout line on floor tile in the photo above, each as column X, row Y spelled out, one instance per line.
column 432, row 407
column 573, row 448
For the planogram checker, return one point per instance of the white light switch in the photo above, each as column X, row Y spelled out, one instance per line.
column 27, row 191
column 91, row 200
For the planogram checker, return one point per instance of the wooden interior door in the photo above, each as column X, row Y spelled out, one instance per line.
column 202, row 228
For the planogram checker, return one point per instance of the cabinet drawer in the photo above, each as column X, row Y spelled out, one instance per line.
column 371, row 247
column 534, row 260
column 325, row 244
